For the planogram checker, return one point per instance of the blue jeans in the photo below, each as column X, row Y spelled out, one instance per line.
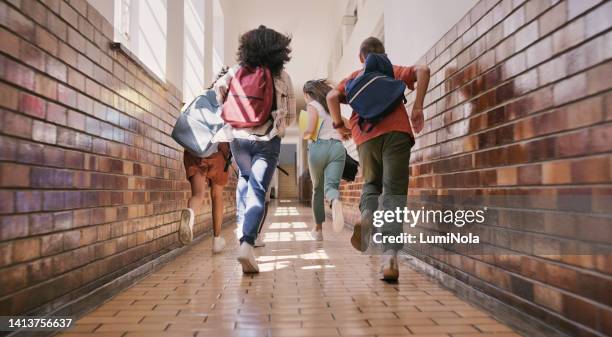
column 256, row 162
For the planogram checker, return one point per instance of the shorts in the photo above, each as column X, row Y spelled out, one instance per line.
column 211, row 167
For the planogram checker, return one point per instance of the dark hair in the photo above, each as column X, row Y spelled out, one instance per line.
column 224, row 69
column 318, row 90
column 264, row 47
column 371, row 45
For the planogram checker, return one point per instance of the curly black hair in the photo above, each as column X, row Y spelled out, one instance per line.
column 264, row 47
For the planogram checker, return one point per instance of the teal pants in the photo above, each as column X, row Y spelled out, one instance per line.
column 326, row 163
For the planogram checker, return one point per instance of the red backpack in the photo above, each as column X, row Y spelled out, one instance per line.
column 250, row 98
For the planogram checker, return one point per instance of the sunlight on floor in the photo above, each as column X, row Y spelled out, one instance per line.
column 287, row 236
column 276, row 257
column 270, row 266
column 327, row 266
column 285, row 211
column 287, row 225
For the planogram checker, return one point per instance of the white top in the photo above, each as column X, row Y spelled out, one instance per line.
column 327, row 128
column 282, row 117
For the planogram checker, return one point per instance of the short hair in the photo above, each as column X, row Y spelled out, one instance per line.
column 371, row 45
column 264, row 47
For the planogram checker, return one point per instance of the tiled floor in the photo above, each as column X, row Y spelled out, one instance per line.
column 305, row 288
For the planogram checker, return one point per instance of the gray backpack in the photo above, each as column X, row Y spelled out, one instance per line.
column 198, row 123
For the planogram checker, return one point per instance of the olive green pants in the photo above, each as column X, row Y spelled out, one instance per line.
column 385, row 163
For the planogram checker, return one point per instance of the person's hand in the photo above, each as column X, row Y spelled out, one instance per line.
column 416, row 119
column 344, row 132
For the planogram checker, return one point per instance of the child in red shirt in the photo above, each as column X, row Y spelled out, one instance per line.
column 384, row 154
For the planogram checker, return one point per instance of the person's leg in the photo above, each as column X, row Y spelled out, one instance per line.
column 333, row 170
column 370, row 160
column 263, row 164
column 259, row 241
column 216, row 194
column 241, row 152
column 333, row 174
column 396, row 164
column 197, row 182
column 317, row 159
column 265, row 159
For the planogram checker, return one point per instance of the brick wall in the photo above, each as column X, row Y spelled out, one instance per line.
column 519, row 104
column 90, row 180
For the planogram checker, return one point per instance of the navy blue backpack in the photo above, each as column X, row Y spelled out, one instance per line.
column 375, row 92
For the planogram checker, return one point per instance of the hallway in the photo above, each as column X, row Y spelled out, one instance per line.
column 305, row 288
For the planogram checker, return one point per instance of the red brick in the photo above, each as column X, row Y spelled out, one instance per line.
column 41, row 223
column 6, row 202
column 529, row 175
column 557, row 172
column 539, row 52
column 88, row 236
column 67, row 54
column 13, row 226
column 75, row 78
column 54, row 156
column 18, row 74
column 30, row 153
column 13, row 278
column 28, row 201
column 32, row 56
column 568, row 36
column 32, row 105
column 526, row 36
column 56, row 113
column 62, row 220
column 40, row 270
column 45, row 86
column 10, row 43
column 16, row 124
column 68, row 14
column 46, row 40
column 14, row 175
column 600, row 138
column 44, row 132
column 87, row 29
column 17, row 22
column 34, row 10
column 26, row 249
column 555, row 17
column 66, row 95
column 598, row 20
column 85, row 65
column 570, row 89
column 6, row 254
column 51, row 244
column 8, row 96
column 56, row 69
column 598, row 78
column 579, row 310
column 72, row 239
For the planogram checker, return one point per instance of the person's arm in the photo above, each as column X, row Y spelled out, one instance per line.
column 333, row 103
column 221, row 86
column 290, row 117
column 312, row 122
column 422, row 79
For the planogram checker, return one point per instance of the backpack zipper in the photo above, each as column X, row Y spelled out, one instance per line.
column 362, row 88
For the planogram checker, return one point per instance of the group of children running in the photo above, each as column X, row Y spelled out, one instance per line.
column 259, row 104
